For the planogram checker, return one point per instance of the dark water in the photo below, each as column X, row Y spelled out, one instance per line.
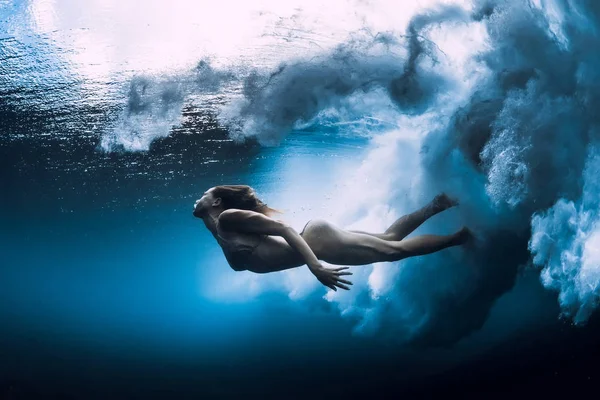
column 109, row 288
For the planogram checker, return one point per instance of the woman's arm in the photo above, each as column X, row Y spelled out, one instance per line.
column 253, row 222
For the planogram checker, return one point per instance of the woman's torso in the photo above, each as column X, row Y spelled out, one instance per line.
column 256, row 252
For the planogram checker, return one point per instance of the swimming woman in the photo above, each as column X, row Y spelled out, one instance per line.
column 252, row 240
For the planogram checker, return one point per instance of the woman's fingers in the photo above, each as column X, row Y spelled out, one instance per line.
column 340, row 269
column 329, row 285
column 338, row 272
column 333, row 285
column 341, row 283
column 332, row 280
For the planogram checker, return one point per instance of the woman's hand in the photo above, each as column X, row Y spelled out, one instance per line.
column 331, row 277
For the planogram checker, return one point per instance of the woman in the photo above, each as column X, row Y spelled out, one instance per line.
column 252, row 240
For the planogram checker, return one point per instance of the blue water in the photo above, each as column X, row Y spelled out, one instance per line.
column 109, row 288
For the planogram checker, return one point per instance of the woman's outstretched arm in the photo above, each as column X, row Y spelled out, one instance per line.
column 253, row 222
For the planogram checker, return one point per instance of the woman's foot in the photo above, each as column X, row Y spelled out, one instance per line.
column 443, row 202
column 464, row 236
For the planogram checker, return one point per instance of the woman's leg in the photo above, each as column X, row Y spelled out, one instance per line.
column 343, row 247
column 408, row 223
column 427, row 244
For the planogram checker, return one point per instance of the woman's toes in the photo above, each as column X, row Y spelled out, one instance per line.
column 465, row 235
column 444, row 201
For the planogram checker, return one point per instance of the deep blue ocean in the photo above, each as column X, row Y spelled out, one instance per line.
column 116, row 116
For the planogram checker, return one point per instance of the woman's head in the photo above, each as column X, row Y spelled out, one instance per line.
column 224, row 197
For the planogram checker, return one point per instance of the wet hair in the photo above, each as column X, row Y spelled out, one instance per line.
column 242, row 197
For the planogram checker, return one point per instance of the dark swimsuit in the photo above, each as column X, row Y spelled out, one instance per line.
column 239, row 255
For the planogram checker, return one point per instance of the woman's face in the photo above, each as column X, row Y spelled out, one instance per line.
column 203, row 203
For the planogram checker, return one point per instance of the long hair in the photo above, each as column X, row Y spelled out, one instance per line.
column 242, row 197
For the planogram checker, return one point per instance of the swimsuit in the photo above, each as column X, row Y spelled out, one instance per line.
column 303, row 229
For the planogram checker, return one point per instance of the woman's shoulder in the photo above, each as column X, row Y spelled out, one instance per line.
column 249, row 221
column 233, row 218
column 232, row 215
